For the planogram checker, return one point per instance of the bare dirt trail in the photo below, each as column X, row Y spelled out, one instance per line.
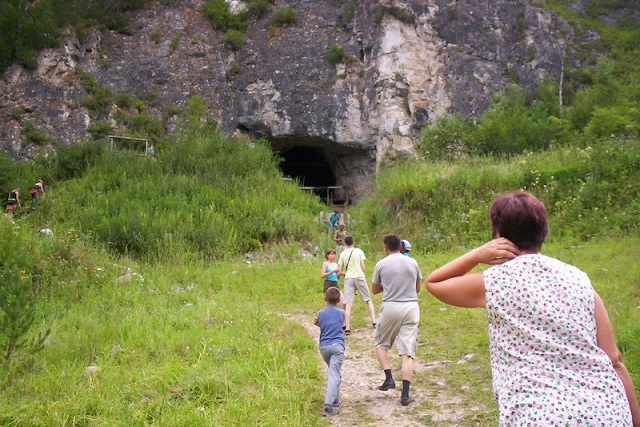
column 363, row 404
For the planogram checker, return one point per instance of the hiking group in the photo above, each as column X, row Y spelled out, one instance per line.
column 13, row 201
column 554, row 359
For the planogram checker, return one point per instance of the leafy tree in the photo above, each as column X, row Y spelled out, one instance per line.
column 449, row 138
column 26, row 26
column 511, row 127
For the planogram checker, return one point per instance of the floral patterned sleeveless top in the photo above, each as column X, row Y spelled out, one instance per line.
column 546, row 365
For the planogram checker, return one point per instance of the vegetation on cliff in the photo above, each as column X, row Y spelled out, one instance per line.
column 156, row 299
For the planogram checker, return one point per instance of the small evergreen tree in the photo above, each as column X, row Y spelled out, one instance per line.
column 17, row 308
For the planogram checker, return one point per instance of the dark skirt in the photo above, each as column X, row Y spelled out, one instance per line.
column 328, row 284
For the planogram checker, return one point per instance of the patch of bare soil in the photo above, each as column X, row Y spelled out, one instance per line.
column 362, row 404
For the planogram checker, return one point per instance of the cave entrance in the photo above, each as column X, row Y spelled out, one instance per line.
column 314, row 171
column 337, row 173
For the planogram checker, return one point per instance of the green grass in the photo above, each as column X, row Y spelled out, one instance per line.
column 204, row 344
column 170, row 277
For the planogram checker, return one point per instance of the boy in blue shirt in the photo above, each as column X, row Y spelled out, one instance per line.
column 330, row 320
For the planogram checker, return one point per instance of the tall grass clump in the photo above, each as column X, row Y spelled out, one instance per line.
column 589, row 191
column 167, row 344
column 204, row 196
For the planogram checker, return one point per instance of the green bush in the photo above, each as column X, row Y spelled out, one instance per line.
column 217, row 11
column 125, row 100
column 99, row 101
column 590, row 191
column 33, row 135
column 283, row 16
column 144, row 125
column 234, row 39
column 619, row 120
column 336, row 54
column 156, row 36
column 347, row 10
column 451, row 137
column 191, row 201
column 71, row 161
column 509, row 126
column 234, row 69
column 100, row 129
column 17, row 305
column 258, row 8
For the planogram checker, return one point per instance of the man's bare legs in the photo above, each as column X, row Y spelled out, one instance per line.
column 347, row 316
column 372, row 312
column 406, row 369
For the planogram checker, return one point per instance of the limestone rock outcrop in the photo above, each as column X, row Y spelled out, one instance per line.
column 409, row 61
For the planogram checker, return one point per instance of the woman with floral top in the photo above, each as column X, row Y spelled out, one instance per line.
column 554, row 359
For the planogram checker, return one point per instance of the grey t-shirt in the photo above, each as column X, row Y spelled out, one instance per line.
column 398, row 275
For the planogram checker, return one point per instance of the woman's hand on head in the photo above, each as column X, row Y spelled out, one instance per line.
column 497, row 251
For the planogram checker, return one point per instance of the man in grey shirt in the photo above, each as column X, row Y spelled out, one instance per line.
column 398, row 278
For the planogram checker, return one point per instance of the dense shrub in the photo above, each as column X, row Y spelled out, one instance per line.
column 258, row 8
column 347, row 10
column 71, row 161
column 283, row 16
column 125, row 100
column 99, row 101
column 588, row 191
column 33, row 135
column 450, row 137
column 234, row 39
column 336, row 54
column 620, row 120
column 218, row 12
column 511, row 127
column 144, row 125
column 26, row 27
column 192, row 201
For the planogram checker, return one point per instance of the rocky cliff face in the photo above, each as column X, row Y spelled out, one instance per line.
column 410, row 62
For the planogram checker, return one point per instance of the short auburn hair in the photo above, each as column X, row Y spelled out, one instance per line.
column 521, row 218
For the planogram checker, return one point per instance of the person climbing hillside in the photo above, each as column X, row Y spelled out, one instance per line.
column 13, row 202
column 405, row 248
column 334, row 219
column 329, row 270
column 36, row 191
column 338, row 237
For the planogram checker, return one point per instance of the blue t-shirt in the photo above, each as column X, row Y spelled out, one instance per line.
column 330, row 320
column 333, row 277
column 334, row 218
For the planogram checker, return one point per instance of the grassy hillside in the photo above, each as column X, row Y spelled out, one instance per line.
column 141, row 310
column 159, row 297
column 590, row 192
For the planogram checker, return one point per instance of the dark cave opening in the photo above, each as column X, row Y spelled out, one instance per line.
column 312, row 169
column 309, row 165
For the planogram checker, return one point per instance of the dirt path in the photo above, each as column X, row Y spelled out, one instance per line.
column 363, row 404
